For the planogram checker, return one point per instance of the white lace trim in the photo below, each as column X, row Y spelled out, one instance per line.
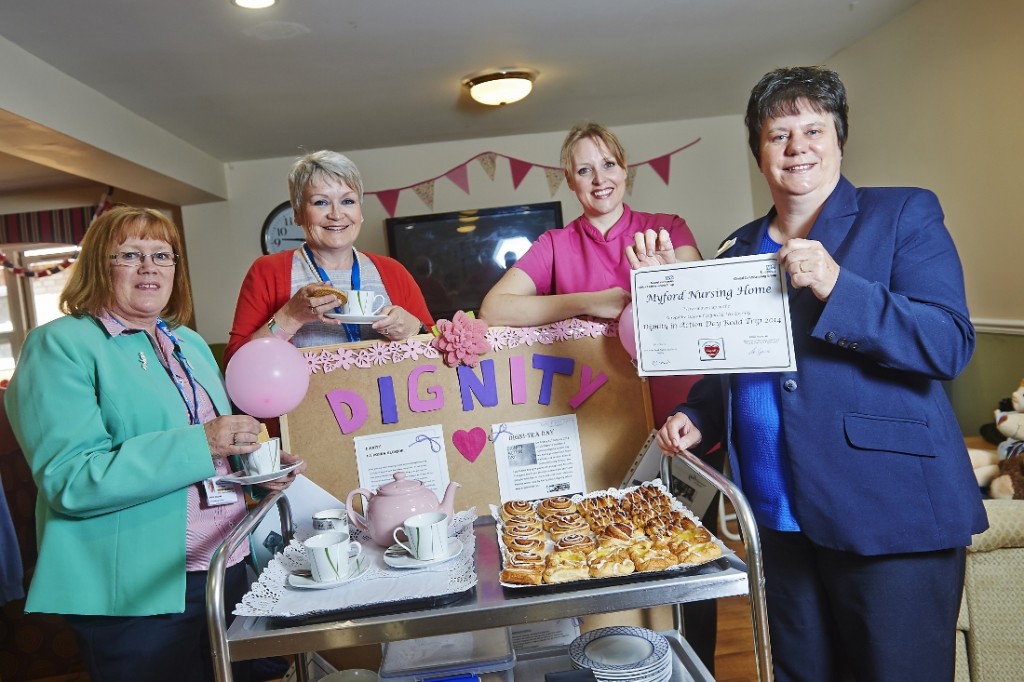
column 270, row 595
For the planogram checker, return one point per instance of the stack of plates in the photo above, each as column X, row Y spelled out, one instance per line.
column 623, row 653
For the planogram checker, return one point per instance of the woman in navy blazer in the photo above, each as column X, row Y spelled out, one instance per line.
column 854, row 464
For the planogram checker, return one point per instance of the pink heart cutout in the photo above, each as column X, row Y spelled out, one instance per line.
column 470, row 443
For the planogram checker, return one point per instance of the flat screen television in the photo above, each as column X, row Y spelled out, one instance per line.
column 456, row 257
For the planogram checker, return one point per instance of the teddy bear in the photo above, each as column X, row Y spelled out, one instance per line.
column 1002, row 470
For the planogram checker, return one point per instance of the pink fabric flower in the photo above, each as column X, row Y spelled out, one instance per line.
column 461, row 340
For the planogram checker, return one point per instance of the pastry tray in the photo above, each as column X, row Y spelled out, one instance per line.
column 637, row 576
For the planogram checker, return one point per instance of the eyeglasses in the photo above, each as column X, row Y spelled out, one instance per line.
column 128, row 259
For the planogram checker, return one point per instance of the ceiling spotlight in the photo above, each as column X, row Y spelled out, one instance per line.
column 253, row 4
column 500, row 86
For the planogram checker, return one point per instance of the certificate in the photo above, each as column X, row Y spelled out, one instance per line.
column 719, row 316
column 538, row 458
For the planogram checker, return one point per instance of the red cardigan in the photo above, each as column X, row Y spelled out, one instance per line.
column 267, row 287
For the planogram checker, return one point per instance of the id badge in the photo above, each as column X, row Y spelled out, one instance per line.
column 219, row 492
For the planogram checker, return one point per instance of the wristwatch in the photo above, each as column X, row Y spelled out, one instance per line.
column 278, row 331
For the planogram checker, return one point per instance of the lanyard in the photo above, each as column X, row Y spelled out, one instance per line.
column 351, row 330
column 193, row 408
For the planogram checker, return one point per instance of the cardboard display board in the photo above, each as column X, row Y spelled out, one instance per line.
column 537, row 372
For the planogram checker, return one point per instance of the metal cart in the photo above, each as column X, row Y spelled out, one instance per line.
column 487, row 605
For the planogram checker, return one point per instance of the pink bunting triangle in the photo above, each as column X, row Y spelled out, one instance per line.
column 661, row 166
column 460, row 177
column 519, row 171
column 389, row 199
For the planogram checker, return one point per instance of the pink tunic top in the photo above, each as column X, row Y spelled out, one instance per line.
column 579, row 258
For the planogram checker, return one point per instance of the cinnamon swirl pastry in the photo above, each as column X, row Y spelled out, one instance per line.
column 517, row 508
column 560, row 525
column 576, row 541
column 522, row 530
column 555, row 505
column 525, row 544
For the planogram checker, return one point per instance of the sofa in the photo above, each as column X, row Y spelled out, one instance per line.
column 990, row 644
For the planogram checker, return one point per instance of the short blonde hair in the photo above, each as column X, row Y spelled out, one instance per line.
column 594, row 131
column 90, row 288
column 319, row 165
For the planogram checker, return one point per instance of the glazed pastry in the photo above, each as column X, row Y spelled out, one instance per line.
column 602, row 518
column 576, row 541
column 523, row 568
column 530, row 518
column 642, row 516
column 560, row 525
column 607, row 562
column 555, row 505
column 565, row 566
column 589, row 505
column 647, row 557
column 617, row 535
column 700, row 553
column 516, row 508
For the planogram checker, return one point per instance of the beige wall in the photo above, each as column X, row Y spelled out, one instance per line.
column 709, row 186
column 934, row 97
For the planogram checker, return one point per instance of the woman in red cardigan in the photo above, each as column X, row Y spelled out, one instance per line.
column 279, row 294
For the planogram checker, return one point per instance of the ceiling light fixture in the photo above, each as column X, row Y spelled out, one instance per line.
column 500, row 86
column 253, row 4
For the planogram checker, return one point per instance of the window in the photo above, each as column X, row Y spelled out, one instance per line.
column 27, row 302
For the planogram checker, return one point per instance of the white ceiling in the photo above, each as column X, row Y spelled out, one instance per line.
column 360, row 74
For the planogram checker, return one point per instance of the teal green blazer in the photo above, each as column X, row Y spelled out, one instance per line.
column 110, row 448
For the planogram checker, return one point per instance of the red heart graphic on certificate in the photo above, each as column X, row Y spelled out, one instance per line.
column 711, row 349
column 470, row 443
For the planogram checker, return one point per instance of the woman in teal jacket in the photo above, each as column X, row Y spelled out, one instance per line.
column 123, row 417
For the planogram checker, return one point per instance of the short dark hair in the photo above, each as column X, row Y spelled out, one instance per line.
column 778, row 92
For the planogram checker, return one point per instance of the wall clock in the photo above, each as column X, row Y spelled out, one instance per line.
column 280, row 233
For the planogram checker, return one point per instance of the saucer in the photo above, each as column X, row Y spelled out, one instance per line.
column 395, row 556
column 357, row 567
column 355, row 319
column 240, row 478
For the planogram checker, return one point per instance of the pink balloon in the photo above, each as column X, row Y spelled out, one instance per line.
column 267, row 377
column 626, row 334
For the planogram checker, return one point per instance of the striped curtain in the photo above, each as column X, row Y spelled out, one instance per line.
column 63, row 226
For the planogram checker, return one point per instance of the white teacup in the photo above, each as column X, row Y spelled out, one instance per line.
column 264, row 460
column 330, row 519
column 330, row 555
column 363, row 302
column 427, row 535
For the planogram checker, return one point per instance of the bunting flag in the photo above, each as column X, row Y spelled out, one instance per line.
column 553, row 175
column 487, row 161
column 425, row 191
column 554, row 178
column 103, row 205
column 29, row 272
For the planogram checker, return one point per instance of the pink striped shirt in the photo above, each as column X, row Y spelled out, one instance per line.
column 206, row 525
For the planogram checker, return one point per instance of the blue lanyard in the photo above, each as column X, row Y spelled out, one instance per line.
column 351, row 330
column 193, row 408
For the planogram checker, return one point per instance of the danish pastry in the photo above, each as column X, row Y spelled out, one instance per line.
column 616, row 535
column 523, row 568
column 647, row 557
column 700, row 553
column 607, row 562
column 525, row 544
column 565, row 566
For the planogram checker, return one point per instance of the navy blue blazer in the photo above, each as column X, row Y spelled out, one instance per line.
column 878, row 462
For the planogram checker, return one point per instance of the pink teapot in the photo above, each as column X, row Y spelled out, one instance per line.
column 394, row 503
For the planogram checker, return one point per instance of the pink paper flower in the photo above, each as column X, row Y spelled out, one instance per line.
column 461, row 340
